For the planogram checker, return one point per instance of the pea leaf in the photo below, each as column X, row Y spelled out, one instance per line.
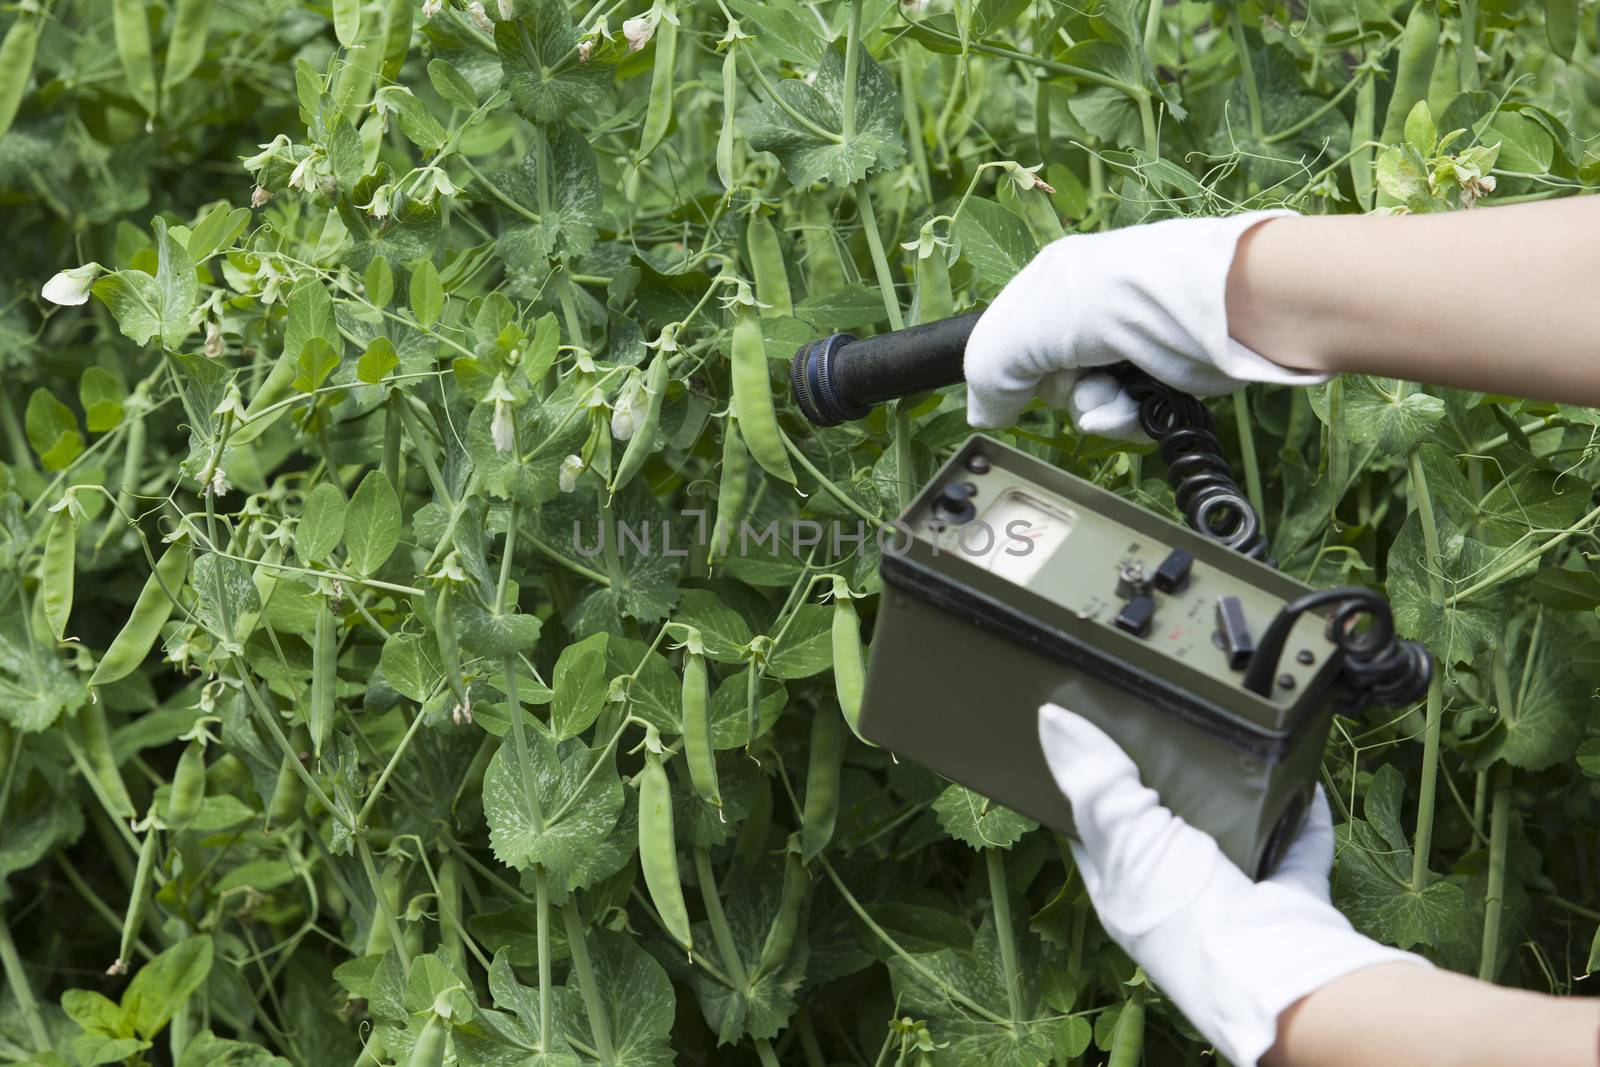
column 52, row 430
column 529, row 237
column 164, row 983
column 978, row 821
column 636, row 997
column 785, row 30
column 321, row 523
column 573, row 815
column 723, row 630
column 805, row 647
column 101, row 395
column 762, row 1007
column 807, row 134
column 1454, row 631
column 410, row 664
column 1372, row 876
column 994, row 240
column 176, row 289
column 372, row 524
column 538, row 54
column 730, row 722
column 134, row 300
column 580, row 686
column 1396, row 415
column 378, row 360
column 427, row 297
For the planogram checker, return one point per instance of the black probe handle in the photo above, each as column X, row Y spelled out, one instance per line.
column 840, row 378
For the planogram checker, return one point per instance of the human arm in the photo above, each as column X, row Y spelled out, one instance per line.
column 1496, row 299
column 1270, row 971
column 1409, row 1016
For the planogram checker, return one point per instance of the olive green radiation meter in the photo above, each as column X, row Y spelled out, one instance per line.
column 1010, row 583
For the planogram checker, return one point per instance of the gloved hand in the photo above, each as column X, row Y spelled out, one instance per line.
column 1154, row 295
column 1232, row 953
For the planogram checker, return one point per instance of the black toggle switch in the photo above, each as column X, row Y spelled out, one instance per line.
column 1173, row 574
column 1233, row 632
column 1136, row 615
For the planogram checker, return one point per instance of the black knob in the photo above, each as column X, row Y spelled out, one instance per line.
column 954, row 503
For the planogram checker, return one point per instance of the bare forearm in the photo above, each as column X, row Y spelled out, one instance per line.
column 1405, row 1015
column 1500, row 300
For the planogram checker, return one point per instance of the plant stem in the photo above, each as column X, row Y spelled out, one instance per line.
column 880, row 261
column 1494, row 577
column 1152, row 28
column 17, row 979
column 852, row 67
column 727, row 947
column 1428, row 787
column 577, row 942
column 390, row 919
column 933, row 980
column 1094, row 77
column 1247, row 72
column 541, row 904
column 1147, row 123
column 1494, row 891
column 1247, row 445
column 1000, row 898
column 388, row 769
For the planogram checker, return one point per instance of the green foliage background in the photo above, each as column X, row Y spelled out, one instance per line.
column 370, row 274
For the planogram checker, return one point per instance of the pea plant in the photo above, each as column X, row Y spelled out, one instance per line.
column 431, row 635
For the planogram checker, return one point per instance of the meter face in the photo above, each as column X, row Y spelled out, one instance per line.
column 1026, row 531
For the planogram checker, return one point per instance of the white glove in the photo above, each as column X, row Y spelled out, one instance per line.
column 1154, row 295
column 1231, row 953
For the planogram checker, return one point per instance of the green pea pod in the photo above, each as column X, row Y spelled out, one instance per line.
column 934, row 298
column 1361, row 176
column 324, row 675
column 397, row 41
column 378, row 939
column 1127, row 1039
column 780, row 938
column 353, row 89
column 1419, row 47
column 16, row 65
column 641, row 446
column 767, row 266
column 186, row 45
column 347, row 22
column 1561, row 26
column 430, row 1047
column 56, row 573
column 94, row 734
column 731, row 488
column 150, row 612
column 751, row 845
column 138, row 899
column 752, row 395
column 288, row 797
column 822, row 783
column 278, row 385
column 444, row 631
column 697, row 747
column 658, row 112
column 725, row 138
column 226, row 774
column 188, row 787
column 450, row 911
column 132, row 30
column 849, row 672
column 1039, row 212
column 132, row 470
column 658, row 850
column 824, row 267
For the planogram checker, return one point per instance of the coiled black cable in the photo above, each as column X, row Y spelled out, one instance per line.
column 1185, row 433
column 1377, row 666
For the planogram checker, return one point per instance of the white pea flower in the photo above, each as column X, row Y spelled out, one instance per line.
column 501, row 427
column 261, row 195
column 297, row 179
column 431, row 8
column 213, row 347
column 571, row 467
column 480, row 16
column 639, row 30
column 70, row 288
column 379, row 206
column 585, row 50
column 508, row 10
column 219, row 483
column 269, row 152
column 625, row 414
